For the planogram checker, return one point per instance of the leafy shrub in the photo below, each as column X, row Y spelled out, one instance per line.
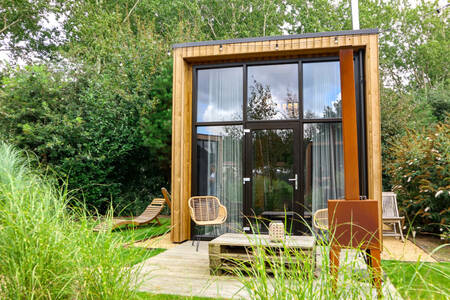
column 48, row 252
column 87, row 129
column 420, row 175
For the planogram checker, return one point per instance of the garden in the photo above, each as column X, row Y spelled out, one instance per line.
column 85, row 133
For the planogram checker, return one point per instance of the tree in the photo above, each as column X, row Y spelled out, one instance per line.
column 25, row 26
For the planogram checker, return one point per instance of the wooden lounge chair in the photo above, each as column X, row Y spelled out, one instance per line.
column 150, row 213
column 391, row 215
column 167, row 197
column 205, row 211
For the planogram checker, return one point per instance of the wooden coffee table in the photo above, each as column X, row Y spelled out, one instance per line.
column 230, row 249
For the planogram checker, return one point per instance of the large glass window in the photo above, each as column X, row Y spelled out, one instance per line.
column 321, row 90
column 272, row 92
column 323, row 164
column 219, row 95
column 219, row 172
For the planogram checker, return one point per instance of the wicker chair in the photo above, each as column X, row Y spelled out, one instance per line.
column 206, row 211
column 320, row 219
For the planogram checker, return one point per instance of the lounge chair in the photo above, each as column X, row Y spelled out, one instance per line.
column 150, row 213
column 167, row 197
column 391, row 215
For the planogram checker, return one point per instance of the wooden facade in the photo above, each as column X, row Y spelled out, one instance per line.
column 269, row 48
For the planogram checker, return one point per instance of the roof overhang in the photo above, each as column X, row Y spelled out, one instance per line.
column 278, row 38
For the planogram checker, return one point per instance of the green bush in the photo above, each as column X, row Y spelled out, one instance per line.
column 48, row 252
column 87, row 129
column 420, row 175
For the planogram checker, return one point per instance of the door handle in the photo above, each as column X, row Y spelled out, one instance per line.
column 296, row 181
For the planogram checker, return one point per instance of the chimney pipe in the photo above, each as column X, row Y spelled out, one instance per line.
column 355, row 15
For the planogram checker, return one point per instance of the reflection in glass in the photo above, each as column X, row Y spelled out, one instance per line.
column 219, row 95
column 321, row 90
column 272, row 167
column 323, row 164
column 219, row 172
column 273, row 92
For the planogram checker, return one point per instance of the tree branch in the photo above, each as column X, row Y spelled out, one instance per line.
column 134, row 6
column 7, row 26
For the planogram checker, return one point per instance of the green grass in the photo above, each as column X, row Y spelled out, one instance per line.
column 134, row 255
column 419, row 280
column 132, row 234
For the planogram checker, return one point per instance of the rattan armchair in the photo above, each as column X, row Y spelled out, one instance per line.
column 206, row 211
column 320, row 219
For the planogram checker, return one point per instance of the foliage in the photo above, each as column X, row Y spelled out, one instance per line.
column 420, row 173
column 48, row 251
column 83, row 129
column 26, row 27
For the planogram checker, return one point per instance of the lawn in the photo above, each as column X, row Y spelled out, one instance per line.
column 419, row 280
column 133, row 255
column 132, row 234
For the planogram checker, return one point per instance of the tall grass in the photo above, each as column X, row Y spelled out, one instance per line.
column 293, row 274
column 48, row 251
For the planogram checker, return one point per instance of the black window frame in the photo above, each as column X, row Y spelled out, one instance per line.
column 273, row 124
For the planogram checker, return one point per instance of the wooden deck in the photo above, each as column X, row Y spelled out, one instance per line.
column 183, row 271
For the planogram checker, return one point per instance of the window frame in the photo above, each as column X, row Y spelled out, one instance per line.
column 272, row 124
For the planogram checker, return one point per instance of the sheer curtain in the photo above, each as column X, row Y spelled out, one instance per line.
column 327, row 164
column 219, row 161
column 321, row 90
column 220, row 95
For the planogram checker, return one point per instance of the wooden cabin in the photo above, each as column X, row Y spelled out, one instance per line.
column 258, row 122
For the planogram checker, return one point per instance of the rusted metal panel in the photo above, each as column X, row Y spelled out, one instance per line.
column 349, row 124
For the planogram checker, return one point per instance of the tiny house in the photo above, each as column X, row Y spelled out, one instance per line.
column 258, row 122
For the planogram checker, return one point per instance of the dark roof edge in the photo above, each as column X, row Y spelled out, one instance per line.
column 278, row 37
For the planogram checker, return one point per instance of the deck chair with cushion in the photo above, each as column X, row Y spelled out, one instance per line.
column 206, row 211
column 150, row 214
column 391, row 216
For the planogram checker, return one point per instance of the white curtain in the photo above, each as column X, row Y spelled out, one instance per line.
column 327, row 164
column 220, row 173
column 220, row 95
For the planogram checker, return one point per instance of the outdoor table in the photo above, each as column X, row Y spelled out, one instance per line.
column 227, row 249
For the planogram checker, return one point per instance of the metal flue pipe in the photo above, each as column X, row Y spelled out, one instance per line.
column 355, row 15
